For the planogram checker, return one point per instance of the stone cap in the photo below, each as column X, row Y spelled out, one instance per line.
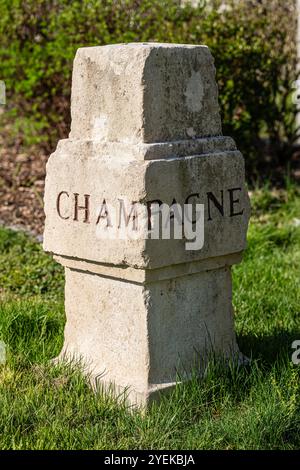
column 144, row 93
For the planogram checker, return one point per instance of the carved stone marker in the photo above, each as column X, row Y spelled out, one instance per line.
column 146, row 129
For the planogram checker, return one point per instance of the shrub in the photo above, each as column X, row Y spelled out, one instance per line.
column 253, row 43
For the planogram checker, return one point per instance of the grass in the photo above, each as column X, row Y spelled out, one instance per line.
column 43, row 406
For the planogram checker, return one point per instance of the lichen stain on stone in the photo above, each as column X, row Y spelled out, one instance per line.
column 100, row 127
column 194, row 92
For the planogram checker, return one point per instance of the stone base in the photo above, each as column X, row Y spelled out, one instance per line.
column 133, row 398
column 142, row 337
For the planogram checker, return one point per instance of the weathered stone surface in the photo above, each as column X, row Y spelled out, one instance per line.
column 145, row 128
column 188, row 179
column 144, row 93
column 141, row 336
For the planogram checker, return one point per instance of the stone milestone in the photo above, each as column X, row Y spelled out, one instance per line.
column 146, row 133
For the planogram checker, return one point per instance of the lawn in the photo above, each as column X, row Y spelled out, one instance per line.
column 43, row 406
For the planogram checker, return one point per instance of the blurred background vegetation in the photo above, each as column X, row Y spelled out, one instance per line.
column 253, row 43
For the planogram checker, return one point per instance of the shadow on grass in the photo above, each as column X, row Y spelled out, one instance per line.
column 268, row 348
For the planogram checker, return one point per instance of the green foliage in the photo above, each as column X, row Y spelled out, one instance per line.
column 253, row 44
column 25, row 269
column 266, row 285
column 43, row 406
column 255, row 50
